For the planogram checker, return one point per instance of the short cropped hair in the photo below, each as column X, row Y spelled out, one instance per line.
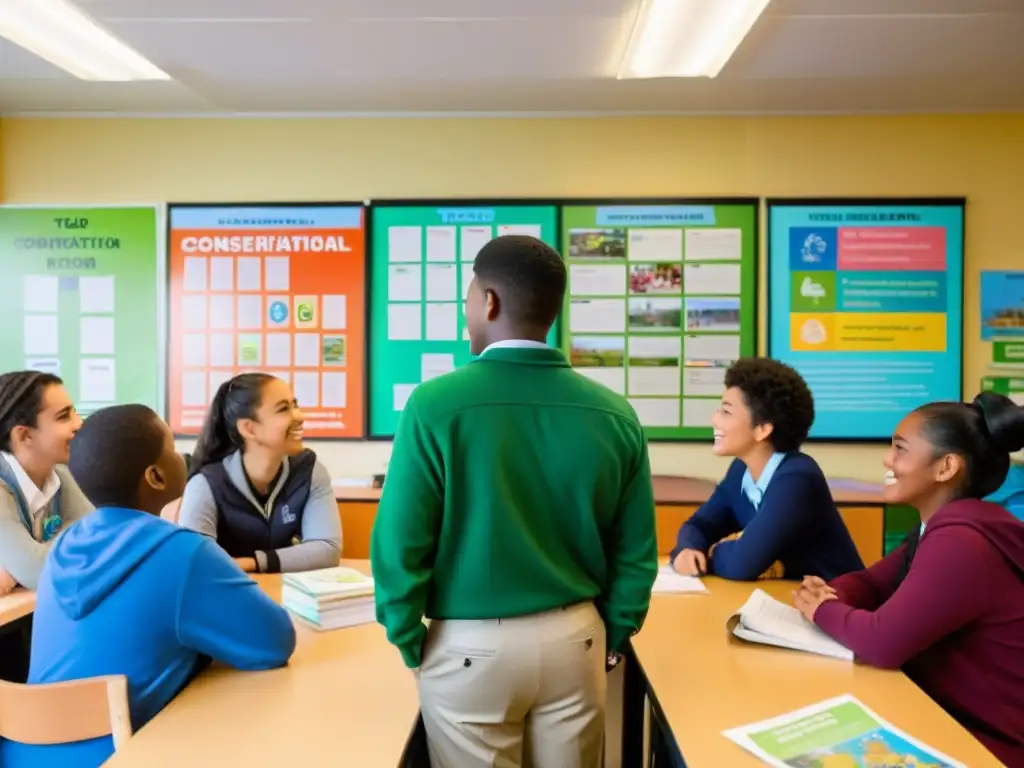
column 112, row 450
column 527, row 274
column 775, row 394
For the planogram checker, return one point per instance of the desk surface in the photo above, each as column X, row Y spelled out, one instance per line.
column 706, row 681
column 16, row 605
column 670, row 489
column 345, row 696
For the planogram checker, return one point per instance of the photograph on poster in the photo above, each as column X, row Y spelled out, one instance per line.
column 597, row 243
column 655, row 278
column 655, row 314
column 717, row 314
column 598, row 351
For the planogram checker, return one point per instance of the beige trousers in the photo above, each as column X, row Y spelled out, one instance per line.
column 525, row 691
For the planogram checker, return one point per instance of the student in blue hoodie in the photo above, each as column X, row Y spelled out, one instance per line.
column 773, row 495
column 126, row 593
column 1010, row 495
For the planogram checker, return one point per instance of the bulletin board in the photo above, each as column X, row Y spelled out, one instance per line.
column 273, row 288
column 421, row 266
column 81, row 300
column 865, row 299
column 662, row 298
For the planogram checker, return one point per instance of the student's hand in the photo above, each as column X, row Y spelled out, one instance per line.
column 816, row 585
column 247, row 564
column 690, row 562
column 7, row 582
column 807, row 601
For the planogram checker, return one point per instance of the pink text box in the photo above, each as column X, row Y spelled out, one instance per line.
column 892, row 248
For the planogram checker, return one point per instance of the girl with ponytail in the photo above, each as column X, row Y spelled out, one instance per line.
column 255, row 488
column 38, row 496
column 948, row 605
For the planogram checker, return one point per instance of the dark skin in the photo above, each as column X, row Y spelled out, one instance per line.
column 917, row 477
column 488, row 323
column 163, row 481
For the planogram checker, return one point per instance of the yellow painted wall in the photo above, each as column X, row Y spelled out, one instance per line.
column 187, row 160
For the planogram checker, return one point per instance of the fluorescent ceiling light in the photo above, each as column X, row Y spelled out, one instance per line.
column 687, row 38
column 56, row 30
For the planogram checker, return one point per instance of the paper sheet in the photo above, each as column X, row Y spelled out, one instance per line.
column 441, row 243
column 655, row 245
column 434, row 365
column 335, row 317
column 598, row 280
column 404, row 322
column 279, row 349
column 193, row 389
column 222, row 274
column 222, row 350
column 473, row 239
column 96, row 335
column 442, row 322
column 98, row 382
column 307, row 350
column 401, row 395
column 670, row 582
column 405, row 283
column 277, row 269
column 40, row 293
column 222, row 312
column 711, row 279
column 250, row 312
column 405, row 244
column 442, row 282
column 41, row 335
column 306, row 387
column 334, row 387
column 193, row 350
column 193, row 312
column 533, row 230
column 96, row 294
column 194, row 278
column 714, row 244
column 249, row 269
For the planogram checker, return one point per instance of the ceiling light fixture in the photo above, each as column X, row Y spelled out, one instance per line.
column 62, row 34
column 687, row 38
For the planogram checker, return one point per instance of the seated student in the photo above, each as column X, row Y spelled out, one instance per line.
column 37, row 496
column 948, row 605
column 777, row 496
column 1010, row 495
column 126, row 593
column 252, row 486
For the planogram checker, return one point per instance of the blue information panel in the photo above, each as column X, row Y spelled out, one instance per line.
column 866, row 301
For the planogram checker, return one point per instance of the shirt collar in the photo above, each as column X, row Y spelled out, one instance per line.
column 755, row 491
column 36, row 498
column 515, row 344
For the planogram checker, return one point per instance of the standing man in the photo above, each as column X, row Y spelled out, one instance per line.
column 517, row 515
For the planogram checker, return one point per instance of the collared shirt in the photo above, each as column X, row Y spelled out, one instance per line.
column 35, row 497
column 755, row 491
column 515, row 344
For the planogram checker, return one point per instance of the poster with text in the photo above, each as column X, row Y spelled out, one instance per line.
column 81, row 300
column 277, row 289
column 421, row 268
column 661, row 300
column 866, row 302
column 1002, row 304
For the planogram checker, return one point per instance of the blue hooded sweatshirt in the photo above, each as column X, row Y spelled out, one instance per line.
column 1010, row 495
column 126, row 593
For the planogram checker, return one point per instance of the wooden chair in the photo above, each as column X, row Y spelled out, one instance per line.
column 64, row 713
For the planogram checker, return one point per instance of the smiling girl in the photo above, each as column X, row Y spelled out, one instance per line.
column 38, row 497
column 772, row 493
column 948, row 605
column 254, row 487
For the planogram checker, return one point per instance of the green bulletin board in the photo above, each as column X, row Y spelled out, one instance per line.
column 661, row 299
column 421, row 266
column 81, row 300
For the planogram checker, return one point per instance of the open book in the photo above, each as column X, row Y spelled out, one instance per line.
column 763, row 619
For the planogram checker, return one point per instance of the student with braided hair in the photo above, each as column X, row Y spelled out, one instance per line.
column 38, row 497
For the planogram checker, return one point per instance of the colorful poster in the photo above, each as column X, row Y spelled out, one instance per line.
column 1002, row 305
column 422, row 266
column 661, row 299
column 82, row 288
column 866, row 301
column 838, row 732
column 278, row 289
column 1010, row 386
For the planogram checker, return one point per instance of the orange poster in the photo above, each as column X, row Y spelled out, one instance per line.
column 278, row 289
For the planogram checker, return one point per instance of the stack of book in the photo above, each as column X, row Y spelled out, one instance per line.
column 330, row 598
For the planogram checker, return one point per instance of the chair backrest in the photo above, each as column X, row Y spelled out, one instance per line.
column 63, row 713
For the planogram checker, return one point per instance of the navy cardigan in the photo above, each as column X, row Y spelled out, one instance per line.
column 797, row 524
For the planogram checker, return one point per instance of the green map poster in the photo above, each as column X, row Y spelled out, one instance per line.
column 82, row 300
column 421, row 266
column 661, row 299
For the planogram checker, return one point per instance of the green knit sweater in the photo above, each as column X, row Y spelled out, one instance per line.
column 515, row 486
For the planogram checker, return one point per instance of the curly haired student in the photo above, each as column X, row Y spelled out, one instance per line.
column 774, row 495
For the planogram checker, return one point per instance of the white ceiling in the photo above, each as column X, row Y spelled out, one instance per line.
column 416, row 56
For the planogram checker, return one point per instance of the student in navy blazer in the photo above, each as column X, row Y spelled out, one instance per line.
column 774, row 496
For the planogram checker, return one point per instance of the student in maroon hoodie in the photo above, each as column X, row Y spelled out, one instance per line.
column 948, row 605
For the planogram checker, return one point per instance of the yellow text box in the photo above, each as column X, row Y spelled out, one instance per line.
column 889, row 332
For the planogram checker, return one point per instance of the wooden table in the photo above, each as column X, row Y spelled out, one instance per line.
column 676, row 499
column 17, row 605
column 702, row 681
column 345, row 698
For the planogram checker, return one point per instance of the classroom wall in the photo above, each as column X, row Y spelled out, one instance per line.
column 189, row 160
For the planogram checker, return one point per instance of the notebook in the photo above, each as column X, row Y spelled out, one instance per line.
column 763, row 619
column 330, row 598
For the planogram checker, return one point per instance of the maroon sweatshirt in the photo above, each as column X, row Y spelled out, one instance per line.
column 955, row 623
